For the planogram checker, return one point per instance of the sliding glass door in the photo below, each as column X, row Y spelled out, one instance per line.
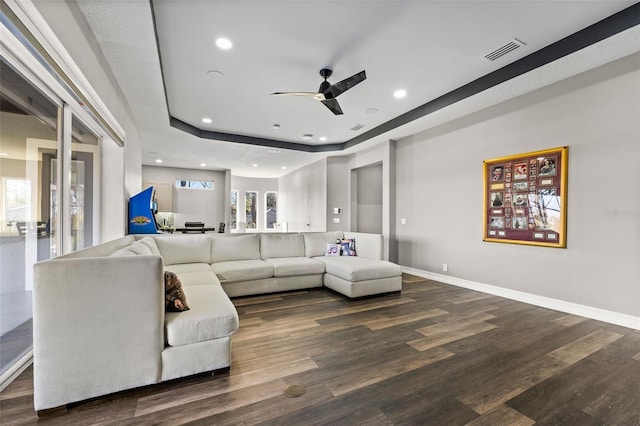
column 49, row 172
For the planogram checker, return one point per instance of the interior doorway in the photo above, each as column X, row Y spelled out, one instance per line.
column 366, row 199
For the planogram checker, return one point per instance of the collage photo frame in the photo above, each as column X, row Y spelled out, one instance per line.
column 525, row 198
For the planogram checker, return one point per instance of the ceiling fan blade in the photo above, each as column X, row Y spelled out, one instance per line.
column 344, row 85
column 316, row 95
column 333, row 105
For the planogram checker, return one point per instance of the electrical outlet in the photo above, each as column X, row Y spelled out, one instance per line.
column 445, row 267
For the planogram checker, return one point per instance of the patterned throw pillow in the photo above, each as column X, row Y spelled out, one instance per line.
column 174, row 300
column 348, row 247
column 332, row 250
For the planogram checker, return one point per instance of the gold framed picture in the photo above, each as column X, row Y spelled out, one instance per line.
column 532, row 206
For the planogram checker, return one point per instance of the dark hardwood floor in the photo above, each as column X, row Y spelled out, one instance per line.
column 432, row 355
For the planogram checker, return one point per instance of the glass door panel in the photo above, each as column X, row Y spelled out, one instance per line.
column 28, row 130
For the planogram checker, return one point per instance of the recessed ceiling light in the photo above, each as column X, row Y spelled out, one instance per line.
column 284, row 167
column 400, row 93
column 206, row 120
column 203, row 164
column 254, row 165
column 307, row 136
column 224, row 43
column 323, row 138
column 158, row 161
column 274, row 151
column 276, row 126
column 371, row 110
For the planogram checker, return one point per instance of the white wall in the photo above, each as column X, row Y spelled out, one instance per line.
column 259, row 185
column 303, row 198
column 439, row 191
column 192, row 205
column 113, row 219
column 338, row 193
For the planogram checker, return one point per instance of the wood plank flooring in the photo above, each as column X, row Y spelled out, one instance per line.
column 432, row 355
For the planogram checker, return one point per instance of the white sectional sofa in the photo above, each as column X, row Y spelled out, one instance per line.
column 100, row 324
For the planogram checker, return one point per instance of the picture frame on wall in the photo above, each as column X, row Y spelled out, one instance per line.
column 534, row 198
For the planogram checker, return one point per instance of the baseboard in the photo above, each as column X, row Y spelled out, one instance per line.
column 611, row 317
column 15, row 370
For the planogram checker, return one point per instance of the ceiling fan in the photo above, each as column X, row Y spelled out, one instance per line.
column 328, row 92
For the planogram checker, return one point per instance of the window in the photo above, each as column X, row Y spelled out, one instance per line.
column 271, row 212
column 233, row 224
column 194, row 184
column 251, row 209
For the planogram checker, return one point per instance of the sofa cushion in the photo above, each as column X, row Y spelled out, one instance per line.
column 174, row 298
column 190, row 278
column 188, row 267
column 295, row 266
column 136, row 248
column 243, row 247
column 315, row 243
column 139, row 248
column 177, row 249
column 353, row 268
column 242, row 270
column 281, row 245
column 212, row 315
column 151, row 243
column 194, row 273
column 122, row 252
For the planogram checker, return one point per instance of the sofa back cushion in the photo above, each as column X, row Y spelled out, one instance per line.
column 100, row 250
column 176, row 249
column 151, row 243
column 315, row 243
column 242, row 247
column 136, row 248
column 281, row 245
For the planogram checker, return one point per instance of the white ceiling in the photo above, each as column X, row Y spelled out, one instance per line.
column 428, row 48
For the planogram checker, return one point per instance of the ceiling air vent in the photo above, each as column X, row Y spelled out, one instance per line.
column 357, row 127
column 501, row 51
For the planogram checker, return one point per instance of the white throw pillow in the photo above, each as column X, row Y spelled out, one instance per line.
column 332, row 250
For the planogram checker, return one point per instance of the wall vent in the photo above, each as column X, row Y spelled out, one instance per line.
column 501, row 51
column 357, row 127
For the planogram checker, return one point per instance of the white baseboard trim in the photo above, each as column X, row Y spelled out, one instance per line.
column 15, row 370
column 611, row 317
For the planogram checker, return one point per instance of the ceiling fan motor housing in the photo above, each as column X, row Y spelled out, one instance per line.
column 323, row 89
